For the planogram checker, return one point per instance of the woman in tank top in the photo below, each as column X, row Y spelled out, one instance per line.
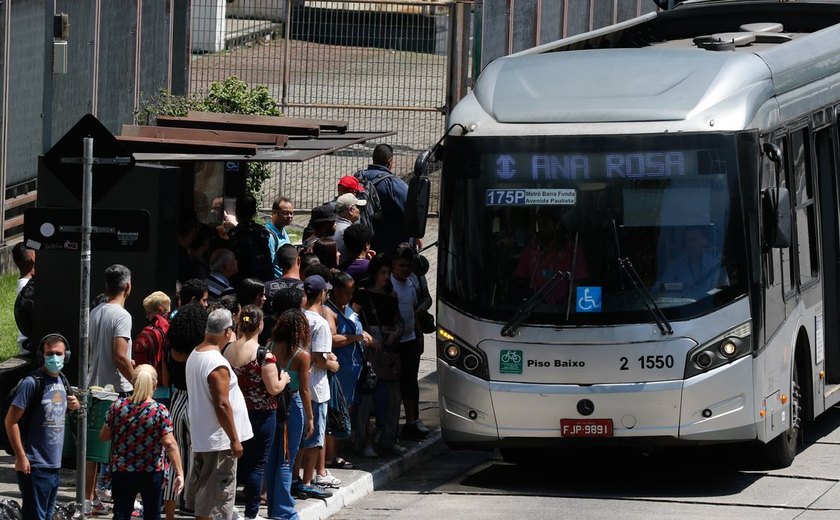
column 290, row 339
column 260, row 380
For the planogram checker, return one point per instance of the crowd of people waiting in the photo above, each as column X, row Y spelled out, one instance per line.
column 230, row 384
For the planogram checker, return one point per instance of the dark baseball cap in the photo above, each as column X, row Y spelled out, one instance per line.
column 314, row 284
column 323, row 213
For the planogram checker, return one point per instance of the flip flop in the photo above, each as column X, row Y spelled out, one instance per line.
column 340, row 463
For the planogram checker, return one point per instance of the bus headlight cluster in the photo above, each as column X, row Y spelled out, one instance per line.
column 457, row 353
column 724, row 349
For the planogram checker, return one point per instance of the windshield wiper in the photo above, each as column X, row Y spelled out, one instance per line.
column 528, row 307
column 629, row 270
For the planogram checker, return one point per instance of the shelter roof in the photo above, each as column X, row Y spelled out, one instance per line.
column 207, row 136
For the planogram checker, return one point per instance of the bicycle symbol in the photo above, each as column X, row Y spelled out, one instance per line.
column 511, row 356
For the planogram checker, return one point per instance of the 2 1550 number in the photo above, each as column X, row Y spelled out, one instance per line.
column 650, row 362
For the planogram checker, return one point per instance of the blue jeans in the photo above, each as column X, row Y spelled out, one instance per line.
column 39, row 490
column 279, row 475
column 251, row 468
column 125, row 485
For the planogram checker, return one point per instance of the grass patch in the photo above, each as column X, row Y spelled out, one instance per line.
column 8, row 328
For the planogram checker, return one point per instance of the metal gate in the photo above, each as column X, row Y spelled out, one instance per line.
column 381, row 65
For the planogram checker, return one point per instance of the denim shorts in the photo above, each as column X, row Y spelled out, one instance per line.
column 319, row 413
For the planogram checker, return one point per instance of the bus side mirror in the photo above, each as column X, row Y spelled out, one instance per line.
column 777, row 217
column 417, row 205
column 421, row 164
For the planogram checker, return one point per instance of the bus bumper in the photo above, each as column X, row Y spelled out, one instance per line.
column 711, row 407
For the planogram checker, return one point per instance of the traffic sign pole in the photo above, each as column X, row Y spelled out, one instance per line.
column 84, row 316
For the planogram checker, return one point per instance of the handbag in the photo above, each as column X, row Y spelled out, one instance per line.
column 338, row 413
column 426, row 322
column 368, row 378
column 384, row 363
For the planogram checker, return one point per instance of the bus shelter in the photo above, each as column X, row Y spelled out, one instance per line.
column 146, row 181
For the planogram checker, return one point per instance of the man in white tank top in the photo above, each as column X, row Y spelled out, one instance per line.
column 218, row 421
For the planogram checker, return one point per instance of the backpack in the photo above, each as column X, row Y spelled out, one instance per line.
column 10, row 510
column 25, row 309
column 372, row 211
column 34, row 401
column 151, row 339
column 249, row 243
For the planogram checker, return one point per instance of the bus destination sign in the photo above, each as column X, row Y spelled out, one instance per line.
column 520, row 167
column 531, row 197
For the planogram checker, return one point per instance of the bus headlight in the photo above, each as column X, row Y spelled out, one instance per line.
column 458, row 354
column 732, row 345
column 451, row 351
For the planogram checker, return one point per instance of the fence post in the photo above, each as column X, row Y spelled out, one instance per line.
column 458, row 54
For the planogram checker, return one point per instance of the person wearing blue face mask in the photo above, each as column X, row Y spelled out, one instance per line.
column 35, row 428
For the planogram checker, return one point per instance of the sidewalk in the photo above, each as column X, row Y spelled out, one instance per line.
column 368, row 474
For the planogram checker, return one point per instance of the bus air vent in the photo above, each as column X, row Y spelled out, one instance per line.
column 765, row 32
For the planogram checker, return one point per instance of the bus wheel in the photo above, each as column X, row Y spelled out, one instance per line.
column 780, row 452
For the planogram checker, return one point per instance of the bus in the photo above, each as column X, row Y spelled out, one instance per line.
column 639, row 235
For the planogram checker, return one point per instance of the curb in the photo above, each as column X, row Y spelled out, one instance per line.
column 364, row 483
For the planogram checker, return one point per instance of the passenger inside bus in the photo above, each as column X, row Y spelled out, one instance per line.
column 695, row 271
column 550, row 251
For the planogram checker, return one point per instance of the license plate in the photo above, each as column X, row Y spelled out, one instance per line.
column 586, row 427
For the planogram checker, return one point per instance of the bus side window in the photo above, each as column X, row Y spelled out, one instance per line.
column 806, row 218
column 788, row 267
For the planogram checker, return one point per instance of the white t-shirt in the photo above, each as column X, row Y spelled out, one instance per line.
column 407, row 298
column 108, row 321
column 319, row 329
column 205, row 430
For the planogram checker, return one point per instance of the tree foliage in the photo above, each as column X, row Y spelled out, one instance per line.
column 232, row 96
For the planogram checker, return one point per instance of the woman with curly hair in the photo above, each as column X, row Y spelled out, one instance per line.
column 290, row 343
column 186, row 330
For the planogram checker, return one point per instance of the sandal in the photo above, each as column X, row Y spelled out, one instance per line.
column 340, row 463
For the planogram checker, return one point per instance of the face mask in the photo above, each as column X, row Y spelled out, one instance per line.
column 54, row 363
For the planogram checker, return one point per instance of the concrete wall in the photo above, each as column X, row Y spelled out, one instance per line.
column 116, row 52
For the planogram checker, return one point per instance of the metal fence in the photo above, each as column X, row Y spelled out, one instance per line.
column 381, row 65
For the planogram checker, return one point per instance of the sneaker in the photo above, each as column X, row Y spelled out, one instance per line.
column 369, row 451
column 95, row 507
column 313, row 491
column 104, row 495
column 422, row 427
column 394, row 449
column 412, row 432
column 326, row 480
column 295, row 488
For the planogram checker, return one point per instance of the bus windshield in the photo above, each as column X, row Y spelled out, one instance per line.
column 519, row 212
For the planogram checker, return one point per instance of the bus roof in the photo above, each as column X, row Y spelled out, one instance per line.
column 668, row 66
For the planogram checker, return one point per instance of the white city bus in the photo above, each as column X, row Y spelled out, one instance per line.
column 640, row 236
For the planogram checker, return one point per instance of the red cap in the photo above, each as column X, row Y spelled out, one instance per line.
column 351, row 183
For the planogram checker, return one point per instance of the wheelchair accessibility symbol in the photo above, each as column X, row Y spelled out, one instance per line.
column 588, row 299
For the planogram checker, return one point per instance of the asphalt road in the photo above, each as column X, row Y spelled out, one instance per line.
column 686, row 483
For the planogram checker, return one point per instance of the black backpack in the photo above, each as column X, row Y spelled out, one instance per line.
column 34, row 401
column 372, row 211
column 25, row 309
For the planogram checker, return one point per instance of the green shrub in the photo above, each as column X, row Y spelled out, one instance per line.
column 233, row 96
column 8, row 328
